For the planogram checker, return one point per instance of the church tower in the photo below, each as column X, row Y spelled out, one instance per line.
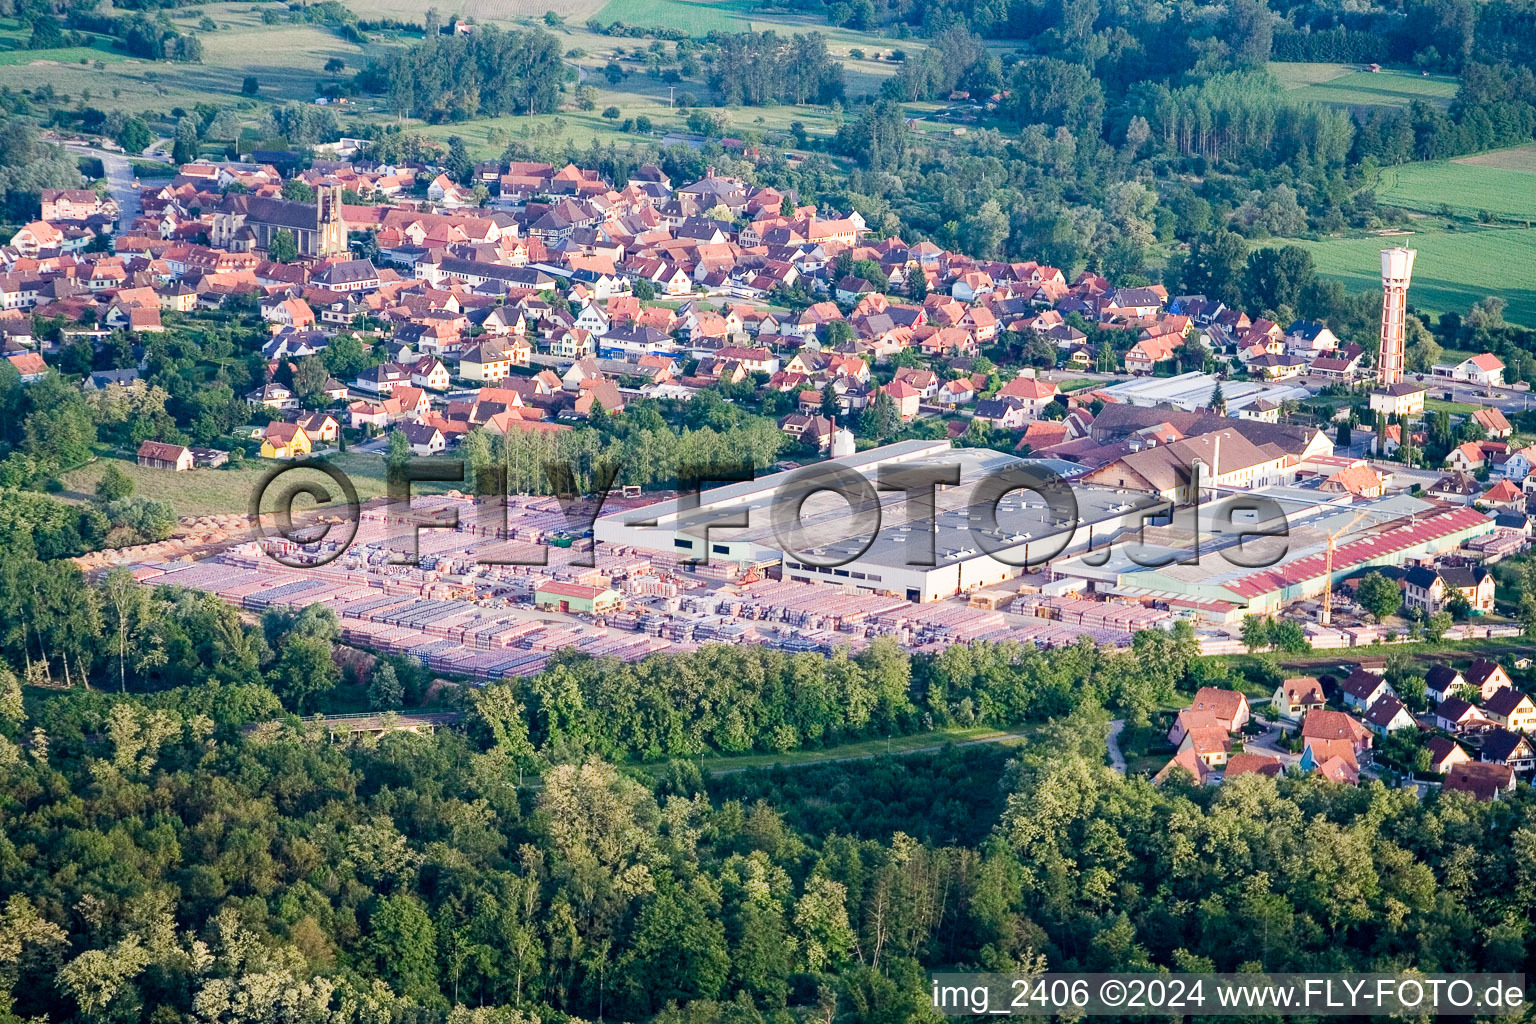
column 330, row 224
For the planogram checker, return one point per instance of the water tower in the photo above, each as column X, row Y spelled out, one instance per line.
column 1396, row 270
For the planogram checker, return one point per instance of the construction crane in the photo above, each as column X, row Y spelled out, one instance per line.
column 1327, row 615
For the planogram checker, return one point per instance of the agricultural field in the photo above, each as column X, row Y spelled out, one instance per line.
column 697, row 16
column 505, row 12
column 1348, row 86
column 1502, row 183
column 288, row 60
column 1453, row 270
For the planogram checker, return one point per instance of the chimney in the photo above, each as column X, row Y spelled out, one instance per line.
column 709, row 172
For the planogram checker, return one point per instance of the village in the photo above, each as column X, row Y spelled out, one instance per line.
column 543, row 299
column 1469, row 734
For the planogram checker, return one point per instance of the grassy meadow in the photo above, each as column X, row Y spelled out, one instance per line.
column 202, row 492
column 1347, row 85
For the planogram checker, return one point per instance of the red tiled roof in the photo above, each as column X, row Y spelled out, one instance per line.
column 1392, row 541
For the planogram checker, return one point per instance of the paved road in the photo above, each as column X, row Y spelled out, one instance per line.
column 120, row 181
column 1005, row 737
column 1116, row 758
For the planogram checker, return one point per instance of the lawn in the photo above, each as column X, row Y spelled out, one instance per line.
column 1453, row 408
column 1453, row 270
column 1504, row 186
column 1347, row 85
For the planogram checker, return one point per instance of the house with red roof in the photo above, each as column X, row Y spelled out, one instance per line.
column 906, row 397
column 1486, row 370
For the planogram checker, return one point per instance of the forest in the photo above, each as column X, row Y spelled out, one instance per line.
column 159, row 862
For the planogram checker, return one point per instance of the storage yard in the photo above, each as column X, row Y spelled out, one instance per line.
column 473, row 589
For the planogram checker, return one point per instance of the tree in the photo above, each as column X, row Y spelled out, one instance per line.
column 402, row 943
column 399, row 450
column 1278, row 276
column 1255, row 632
column 1344, row 436
column 612, row 113
column 283, row 248
column 1218, row 402
column 114, row 484
column 384, row 690
column 335, row 65
column 135, row 136
column 251, row 86
column 184, row 147
column 1380, row 596
column 309, row 378
column 1214, row 267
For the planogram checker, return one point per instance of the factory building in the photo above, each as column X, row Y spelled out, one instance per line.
column 977, row 538
column 1394, row 531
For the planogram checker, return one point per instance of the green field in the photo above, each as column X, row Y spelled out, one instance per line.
column 696, row 16
column 1347, row 85
column 1463, row 188
column 1453, row 270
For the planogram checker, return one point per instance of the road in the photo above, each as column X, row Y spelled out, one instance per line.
column 120, row 181
column 1112, row 741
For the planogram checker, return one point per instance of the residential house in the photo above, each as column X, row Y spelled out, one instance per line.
column 1388, row 715
column 1500, row 746
column 1453, row 714
column 159, row 455
column 906, row 398
column 29, row 365
column 1295, row 696
column 424, row 438
column 1482, row 782
column 1445, row 754
column 1511, row 709
column 1245, row 763
column 319, row 426
column 1212, row 706
column 1493, row 422
column 1442, row 681
column 1487, row 677
column 382, row 379
column 1503, row 495
column 273, row 396
column 429, row 372
column 285, row 441
column 1361, row 689
column 1403, row 399
column 1430, row 590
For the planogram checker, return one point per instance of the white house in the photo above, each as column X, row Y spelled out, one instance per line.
column 1486, row 370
